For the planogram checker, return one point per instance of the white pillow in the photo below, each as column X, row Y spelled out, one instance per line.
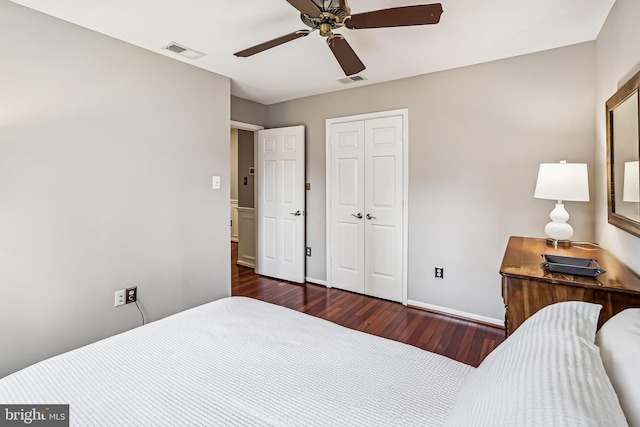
column 619, row 342
column 547, row 373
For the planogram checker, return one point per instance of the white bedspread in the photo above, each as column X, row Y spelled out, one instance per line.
column 239, row 361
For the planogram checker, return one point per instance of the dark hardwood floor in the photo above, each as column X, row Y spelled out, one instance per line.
column 465, row 341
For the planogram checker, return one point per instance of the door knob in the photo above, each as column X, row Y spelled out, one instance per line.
column 359, row 215
column 296, row 213
column 370, row 217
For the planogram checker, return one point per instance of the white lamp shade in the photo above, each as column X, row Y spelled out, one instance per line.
column 563, row 181
column 631, row 185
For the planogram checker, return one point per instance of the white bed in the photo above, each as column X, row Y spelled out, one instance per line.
column 239, row 361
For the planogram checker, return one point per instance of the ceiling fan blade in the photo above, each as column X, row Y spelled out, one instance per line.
column 345, row 55
column 396, row 17
column 307, row 7
column 271, row 43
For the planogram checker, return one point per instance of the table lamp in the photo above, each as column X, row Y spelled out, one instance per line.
column 562, row 182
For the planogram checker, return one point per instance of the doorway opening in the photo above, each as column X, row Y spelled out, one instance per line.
column 242, row 192
column 270, row 213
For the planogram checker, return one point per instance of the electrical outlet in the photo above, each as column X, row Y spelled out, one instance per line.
column 132, row 294
column 119, row 298
column 308, row 251
column 439, row 273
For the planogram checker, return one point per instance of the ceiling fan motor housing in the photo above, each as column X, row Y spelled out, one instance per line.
column 329, row 20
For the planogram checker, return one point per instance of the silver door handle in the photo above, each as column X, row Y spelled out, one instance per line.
column 370, row 217
column 296, row 213
column 359, row 215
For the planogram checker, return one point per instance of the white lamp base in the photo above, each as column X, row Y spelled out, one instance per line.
column 558, row 230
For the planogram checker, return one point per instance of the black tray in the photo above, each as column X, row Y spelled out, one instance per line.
column 571, row 265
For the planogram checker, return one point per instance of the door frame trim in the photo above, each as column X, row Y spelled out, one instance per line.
column 245, row 126
column 404, row 112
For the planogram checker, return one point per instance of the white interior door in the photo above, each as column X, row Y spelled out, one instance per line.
column 347, row 206
column 383, row 207
column 281, row 203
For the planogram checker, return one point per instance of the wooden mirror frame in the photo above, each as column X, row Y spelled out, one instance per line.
column 627, row 90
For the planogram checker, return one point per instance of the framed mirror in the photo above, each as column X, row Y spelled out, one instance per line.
column 623, row 157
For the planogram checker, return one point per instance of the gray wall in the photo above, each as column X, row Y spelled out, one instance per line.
column 106, row 158
column 245, row 161
column 617, row 59
column 245, row 111
column 477, row 136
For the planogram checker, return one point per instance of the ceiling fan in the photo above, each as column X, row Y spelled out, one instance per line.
column 328, row 15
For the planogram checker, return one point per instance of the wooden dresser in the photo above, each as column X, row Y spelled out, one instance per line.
column 527, row 286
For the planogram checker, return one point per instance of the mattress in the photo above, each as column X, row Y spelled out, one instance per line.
column 237, row 362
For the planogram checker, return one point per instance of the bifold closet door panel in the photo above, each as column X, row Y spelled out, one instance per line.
column 383, row 195
column 347, row 206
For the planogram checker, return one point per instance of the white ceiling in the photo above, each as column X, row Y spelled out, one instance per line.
column 469, row 32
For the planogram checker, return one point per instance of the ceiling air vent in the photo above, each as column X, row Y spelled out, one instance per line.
column 351, row 79
column 184, row 51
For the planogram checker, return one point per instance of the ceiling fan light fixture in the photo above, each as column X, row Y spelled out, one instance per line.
column 325, row 29
column 184, row 51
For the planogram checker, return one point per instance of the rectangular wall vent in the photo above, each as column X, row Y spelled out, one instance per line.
column 184, row 51
column 351, row 79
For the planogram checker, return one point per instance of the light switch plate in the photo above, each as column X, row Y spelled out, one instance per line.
column 215, row 183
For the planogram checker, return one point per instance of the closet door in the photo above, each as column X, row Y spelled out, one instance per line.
column 383, row 197
column 366, row 205
column 347, row 206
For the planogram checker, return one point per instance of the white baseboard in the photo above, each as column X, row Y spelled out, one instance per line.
column 453, row 312
column 245, row 263
column 316, row 281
